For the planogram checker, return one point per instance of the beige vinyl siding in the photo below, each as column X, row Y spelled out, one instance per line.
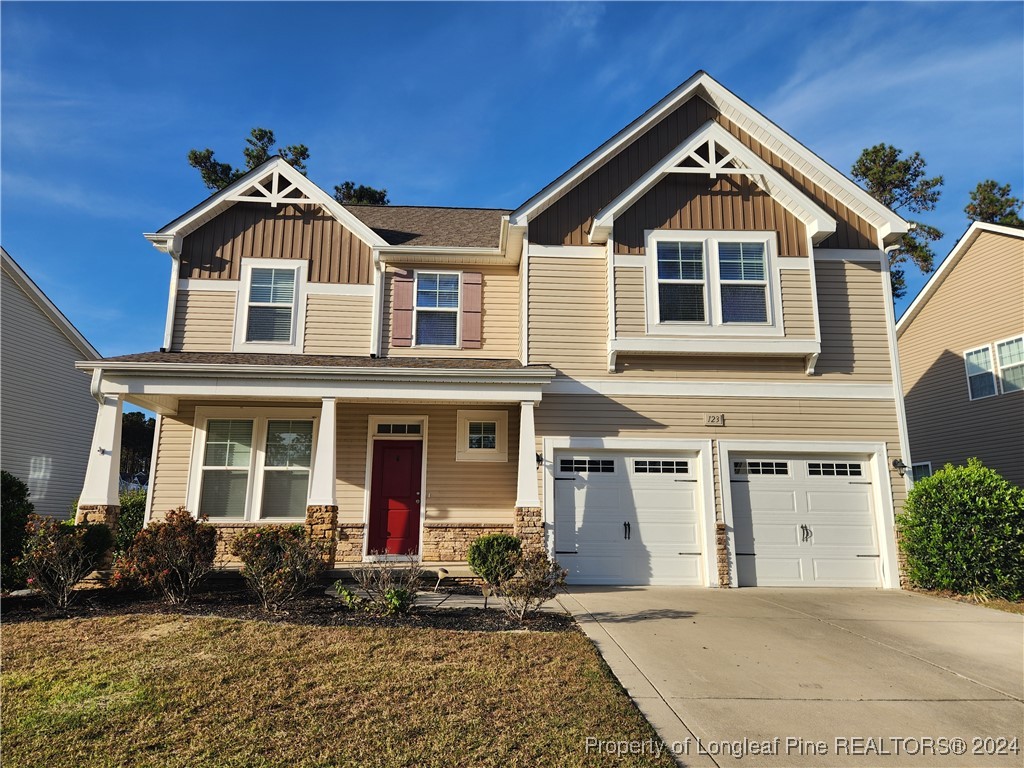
column 567, row 221
column 630, row 306
column 797, row 304
column 204, row 321
column 699, row 202
column 456, row 491
column 568, row 306
column 338, row 325
column 257, row 230
column 499, row 320
column 789, row 419
column 854, row 326
column 979, row 302
column 47, row 411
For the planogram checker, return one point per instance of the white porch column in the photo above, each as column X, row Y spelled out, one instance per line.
column 526, row 490
column 101, row 477
column 322, row 485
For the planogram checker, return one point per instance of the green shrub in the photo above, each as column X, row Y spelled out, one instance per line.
column 390, row 585
column 15, row 509
column 962, row 529
column 130, row 520
column 491, row 557
column 58, row 556
column 536, row 580
column 279, row 563
column 169, row 556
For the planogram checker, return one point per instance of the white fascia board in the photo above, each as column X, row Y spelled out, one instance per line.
column 712, row 346
column 800, row 390
column 222, row 200
column 818, row 222
column 938, row 277
column 40, row 299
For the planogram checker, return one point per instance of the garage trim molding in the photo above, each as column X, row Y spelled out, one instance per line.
column 705, row 482
column 881, row 489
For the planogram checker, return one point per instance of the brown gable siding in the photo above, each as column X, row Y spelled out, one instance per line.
column 568, row 220
column 699, row 202
column 256, row 230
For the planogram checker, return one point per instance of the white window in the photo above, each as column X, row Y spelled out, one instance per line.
column 482, row 436
column 981, row 376
column 712, row 282
column 920, row 471
column 1010, row 358
column 436, row 316
column 249, row 469
column 269, row 316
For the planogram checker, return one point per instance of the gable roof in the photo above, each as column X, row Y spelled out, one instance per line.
column 889, row 224
column 819, row 223
column 967, row 239
column 250, row 188
column 41, row 300
column 408, row 225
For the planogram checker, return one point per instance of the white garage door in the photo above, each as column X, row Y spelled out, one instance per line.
column 804, row 521
column 628, row 518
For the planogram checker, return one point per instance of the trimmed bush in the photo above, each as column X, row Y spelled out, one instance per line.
column 130, row 519
column 962, row 529
column 15, row 509
column 58, row 556
column 279, row 563
column 537, row 579
column 169, row 556
column 493, row 557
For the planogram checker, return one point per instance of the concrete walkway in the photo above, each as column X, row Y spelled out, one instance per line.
column 837, row 677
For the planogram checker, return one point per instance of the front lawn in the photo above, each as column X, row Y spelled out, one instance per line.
column 180, row 690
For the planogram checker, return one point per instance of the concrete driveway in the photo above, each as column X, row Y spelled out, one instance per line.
column 814, row 677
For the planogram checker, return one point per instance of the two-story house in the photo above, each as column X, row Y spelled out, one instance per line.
column 675, row 364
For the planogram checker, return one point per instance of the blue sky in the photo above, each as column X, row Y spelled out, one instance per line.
column 447, row 104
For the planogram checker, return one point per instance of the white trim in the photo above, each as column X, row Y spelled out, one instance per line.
column 377, row 321
column 298, row 329
column 102, row 473
column 998, row 365
column 498, row 454
column 526, row 471
column 629, row 259
column 569, row 251
column 457, row 310
column 704, row 476
column 202, row 284
column 323, row 464
column 894, row 360
column 794, row 262
column 259, row 416
column 711, row 345
column 338, row 289
column 754, row 124
column 154, row 458
column 172, row 300
column 524, row 304
column 613, row 315
column 959, row 250
column 848, row 254
column 809, row 390
column 371, row 436
column 881, row 488
column 818, row 223
column 36, row 295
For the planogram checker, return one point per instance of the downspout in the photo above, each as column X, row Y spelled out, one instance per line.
column 377, row 321
column 897, row 378
column 173, row 247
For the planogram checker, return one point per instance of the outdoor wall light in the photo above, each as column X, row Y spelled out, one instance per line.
column 899, row 466
column 540, row 459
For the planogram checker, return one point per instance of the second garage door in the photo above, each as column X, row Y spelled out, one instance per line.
column 804, row 521
column 628, row 518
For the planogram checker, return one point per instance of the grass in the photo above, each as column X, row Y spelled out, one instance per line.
column 152, row 690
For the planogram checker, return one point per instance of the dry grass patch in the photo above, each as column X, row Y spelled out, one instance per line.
column 149, row 691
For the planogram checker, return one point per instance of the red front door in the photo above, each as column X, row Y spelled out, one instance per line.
column 395, row 497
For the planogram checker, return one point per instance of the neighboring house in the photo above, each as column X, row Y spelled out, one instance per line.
column 961, row 346
column 46, row 411
column 675, row 364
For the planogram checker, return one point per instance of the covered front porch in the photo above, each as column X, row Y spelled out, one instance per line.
column 377, row 458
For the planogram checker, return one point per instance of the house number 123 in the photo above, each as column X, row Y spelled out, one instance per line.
column 714, row 419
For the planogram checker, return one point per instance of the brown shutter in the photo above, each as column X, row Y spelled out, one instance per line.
column 472, row 309
column 401, row 309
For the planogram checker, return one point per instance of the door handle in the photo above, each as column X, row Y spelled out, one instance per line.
column 626, row 532
column 806, row 533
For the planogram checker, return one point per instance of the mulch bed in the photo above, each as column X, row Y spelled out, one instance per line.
column 227, row 597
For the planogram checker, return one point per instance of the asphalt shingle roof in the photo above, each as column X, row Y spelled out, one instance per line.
column 333, row 361
column 442, row 227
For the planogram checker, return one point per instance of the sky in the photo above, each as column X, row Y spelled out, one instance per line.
column 461, row 104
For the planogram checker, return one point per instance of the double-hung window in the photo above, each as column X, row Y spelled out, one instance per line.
column 743, row 277
column 253, row 468
column 995, row 368
column 981, row 376
column 682, row 294
column 437, row 309
column 269, row 316
column 1010, row 357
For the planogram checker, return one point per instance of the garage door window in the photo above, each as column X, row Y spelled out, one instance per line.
column 587, row 465
column 834, row 469
column 760, row 467
column 660, row 466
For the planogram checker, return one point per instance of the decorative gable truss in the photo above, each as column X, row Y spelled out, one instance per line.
column 274, row 189
column 714, row 152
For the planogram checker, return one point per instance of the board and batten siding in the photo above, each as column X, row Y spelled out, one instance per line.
column 204, row 321
column 499, row 318
column 783, row 419
column 456, row 492
column 256, row 230
column 728, row 203
column 567, row 221
column 979, row 302
column 338, row 325
column 47, row 413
